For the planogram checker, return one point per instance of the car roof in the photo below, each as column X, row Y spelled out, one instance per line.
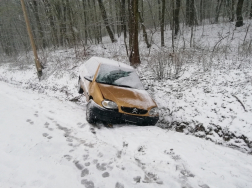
column 106, row 61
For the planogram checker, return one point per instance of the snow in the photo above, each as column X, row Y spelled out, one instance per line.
column 46, row 142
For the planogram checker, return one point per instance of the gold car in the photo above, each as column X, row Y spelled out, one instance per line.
column 115, row 93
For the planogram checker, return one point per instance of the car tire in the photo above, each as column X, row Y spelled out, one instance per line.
column 89, row 114
column 80, row 90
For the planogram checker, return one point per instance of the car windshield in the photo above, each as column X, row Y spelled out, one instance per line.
column 118, row 76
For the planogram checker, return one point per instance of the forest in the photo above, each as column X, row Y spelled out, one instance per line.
column 81, row 23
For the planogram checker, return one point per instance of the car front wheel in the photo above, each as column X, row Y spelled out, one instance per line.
column 89, row 114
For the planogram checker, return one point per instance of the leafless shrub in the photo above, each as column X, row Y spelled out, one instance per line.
column 245, row 49
column 82, row 52
column 167, row 65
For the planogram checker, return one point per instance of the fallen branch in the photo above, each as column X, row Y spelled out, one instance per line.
column 240, row 102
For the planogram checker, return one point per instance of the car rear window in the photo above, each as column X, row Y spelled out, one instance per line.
column 118, row 76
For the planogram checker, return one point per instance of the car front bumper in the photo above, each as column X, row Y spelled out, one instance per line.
column 111, row 116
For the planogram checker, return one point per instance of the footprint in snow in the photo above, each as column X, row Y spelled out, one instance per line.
column 68, row 157
column 46, row 124
column 105, row 174
column 84, row 172
column 119, row 185
column 87, row 164
column 85, row 157
column 30, row 121
column 45, row 134
column 78, row 165
column 87, row 184
column 101, row 167
column 100, row 154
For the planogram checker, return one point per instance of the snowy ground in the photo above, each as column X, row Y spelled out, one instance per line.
column 46, row 142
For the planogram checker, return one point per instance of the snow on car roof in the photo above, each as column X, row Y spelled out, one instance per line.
column 109, row 62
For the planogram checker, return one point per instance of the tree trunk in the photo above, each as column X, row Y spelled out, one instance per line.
column 49, row 16
column 38, row 22
column 191, row 13
column 162, row 22
column 144, row 30
column 217, row 12
column 85, row 21
column 187, row 12
column 202, row 11
column 232, row 10
column 124, row 19
column 176, row 17
column 69, row 15
column 134, row 48
column 239, row 21
column 105, row 19
column 250, row 16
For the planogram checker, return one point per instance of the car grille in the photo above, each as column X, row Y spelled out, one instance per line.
column 134, row 110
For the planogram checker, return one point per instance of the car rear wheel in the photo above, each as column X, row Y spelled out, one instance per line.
column 89, row 114
column 80, row 90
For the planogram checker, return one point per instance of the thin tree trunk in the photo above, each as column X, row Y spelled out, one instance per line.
column 40, row 28
column 85, row 21
column 176, row 17
column 192, row 13
column 152, row 17
column 217, row 12
column 105, row 19
column 239, row 21
column 69, row 16
column 124, row 19
column 232, row 10
column 162, row 22
column 187, row 12
column 51, row 19
column 144, row 30
column 201, row 11
column 250, row 16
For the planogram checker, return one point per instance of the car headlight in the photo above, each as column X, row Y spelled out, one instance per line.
column 154, row 111
column 109, row 104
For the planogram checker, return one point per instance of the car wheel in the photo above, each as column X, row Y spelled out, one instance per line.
column 89, row 113
column 80, row 90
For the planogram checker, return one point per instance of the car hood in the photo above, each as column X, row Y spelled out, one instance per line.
column 127, row 97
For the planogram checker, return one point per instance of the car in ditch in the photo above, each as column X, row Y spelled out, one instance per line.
column 115, row 94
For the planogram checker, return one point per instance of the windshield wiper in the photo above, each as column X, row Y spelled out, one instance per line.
column 115, row 84
column 123, row 86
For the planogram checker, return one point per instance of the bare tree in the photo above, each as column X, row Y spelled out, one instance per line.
column 133, row 35
column 105, row 19
column 239, row 20
column 162, row 22
column 190, row 13
column 217, row 10
column 34, row 7
column 250, row 15
column 144, row 30
column 176, row 17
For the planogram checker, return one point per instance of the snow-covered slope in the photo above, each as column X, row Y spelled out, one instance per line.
column 46, row 142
